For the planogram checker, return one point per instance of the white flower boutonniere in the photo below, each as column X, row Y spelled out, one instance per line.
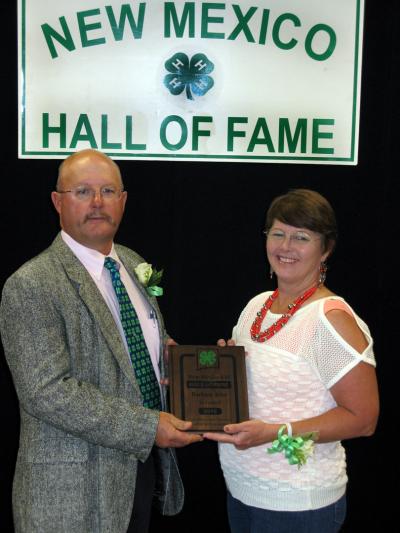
column 149, row 277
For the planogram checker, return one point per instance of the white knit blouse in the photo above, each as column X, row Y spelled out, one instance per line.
column 289, row 378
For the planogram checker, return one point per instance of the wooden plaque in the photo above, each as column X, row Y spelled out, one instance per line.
column 208, row 385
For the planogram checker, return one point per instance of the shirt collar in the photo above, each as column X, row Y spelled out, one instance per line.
column 91, row 259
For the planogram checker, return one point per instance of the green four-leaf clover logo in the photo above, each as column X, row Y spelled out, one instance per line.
column 207, row 358
column 191, row 75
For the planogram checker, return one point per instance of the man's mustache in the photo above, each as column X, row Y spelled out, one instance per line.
column 99, row 214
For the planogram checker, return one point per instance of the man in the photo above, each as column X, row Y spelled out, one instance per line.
column 91, row 455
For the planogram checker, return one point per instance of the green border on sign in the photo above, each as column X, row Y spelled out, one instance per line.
column 23, row 64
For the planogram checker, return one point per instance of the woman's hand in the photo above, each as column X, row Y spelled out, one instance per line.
column 223, row 342
column 246, row 434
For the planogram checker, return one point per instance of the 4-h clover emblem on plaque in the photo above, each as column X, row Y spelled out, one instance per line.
column 192, row 75
column 207, row 359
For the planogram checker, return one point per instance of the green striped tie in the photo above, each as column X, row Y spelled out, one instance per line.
column 138, row 351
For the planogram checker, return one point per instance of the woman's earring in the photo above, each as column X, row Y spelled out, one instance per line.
column 322, row 272
column 271, row 273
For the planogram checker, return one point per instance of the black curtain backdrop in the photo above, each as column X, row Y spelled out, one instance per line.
column 202, row 223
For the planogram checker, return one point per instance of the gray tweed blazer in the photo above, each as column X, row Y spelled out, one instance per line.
column 83, row 427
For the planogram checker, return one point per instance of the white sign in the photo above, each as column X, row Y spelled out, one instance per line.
column 262, row 81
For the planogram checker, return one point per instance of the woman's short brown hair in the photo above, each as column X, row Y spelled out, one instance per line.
column 304, row 208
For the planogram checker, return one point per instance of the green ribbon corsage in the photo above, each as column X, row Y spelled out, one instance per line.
column 296, row 449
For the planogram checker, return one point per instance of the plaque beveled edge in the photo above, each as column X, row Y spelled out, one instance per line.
column 237, row 353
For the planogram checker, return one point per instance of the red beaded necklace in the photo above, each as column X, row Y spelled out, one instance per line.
column 278, row 325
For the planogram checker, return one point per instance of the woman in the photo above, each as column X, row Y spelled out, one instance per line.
column 310, row 369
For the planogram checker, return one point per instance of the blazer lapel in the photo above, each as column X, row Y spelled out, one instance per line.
column 94, row 301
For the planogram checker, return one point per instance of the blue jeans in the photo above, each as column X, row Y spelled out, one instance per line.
column 246, row 519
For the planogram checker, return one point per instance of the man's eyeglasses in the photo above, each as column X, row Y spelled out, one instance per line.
column 86, row 194
column 298, row 238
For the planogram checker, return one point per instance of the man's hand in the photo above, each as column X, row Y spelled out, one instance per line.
column 171, row 432
column 169, row 342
